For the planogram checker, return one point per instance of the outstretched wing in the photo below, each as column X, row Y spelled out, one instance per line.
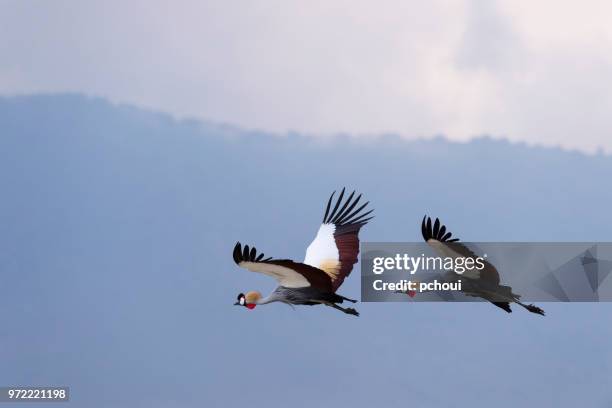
column 440, row 240
column 286, row 272
column 336, row 246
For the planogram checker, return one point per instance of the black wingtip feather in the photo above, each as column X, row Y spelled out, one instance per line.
column 237, row 253
column 436, row 231
column 348, row 219
column 360, row 219
column 343, row 212
column 365, row 221
column 423, row 229
column 347, row 213
column 331, row 197
column 338, row 201
column 247, row 254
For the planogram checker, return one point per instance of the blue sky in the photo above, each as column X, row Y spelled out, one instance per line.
column 539, row 72
column 118, row 280
column 118, row 225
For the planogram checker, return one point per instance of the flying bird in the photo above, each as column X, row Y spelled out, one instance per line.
column 329, row 260
column 484, row 283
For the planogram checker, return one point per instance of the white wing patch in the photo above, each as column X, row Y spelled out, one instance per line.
column 284, row 276
column 446, row 251
column 322, row 252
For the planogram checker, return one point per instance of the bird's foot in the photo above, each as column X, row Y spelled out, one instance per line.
column 351, row 311
column 535, row 309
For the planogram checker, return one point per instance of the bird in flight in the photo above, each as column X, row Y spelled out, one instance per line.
column 329, row 260
column 483, row 283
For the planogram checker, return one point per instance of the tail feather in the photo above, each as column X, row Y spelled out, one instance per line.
column 503, row 305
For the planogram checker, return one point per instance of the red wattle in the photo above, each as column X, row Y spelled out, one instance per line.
column 412, row 293
column 251, row 305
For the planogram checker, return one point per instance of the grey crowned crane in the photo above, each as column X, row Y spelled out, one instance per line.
column 329, row 260
column 483, row 283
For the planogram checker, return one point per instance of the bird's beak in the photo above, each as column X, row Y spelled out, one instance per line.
column 411, row 293
column 237, row 304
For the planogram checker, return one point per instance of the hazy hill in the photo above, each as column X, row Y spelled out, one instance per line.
column 116, row 231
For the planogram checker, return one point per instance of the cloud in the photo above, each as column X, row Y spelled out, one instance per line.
column 533, row 72
column 489, row 41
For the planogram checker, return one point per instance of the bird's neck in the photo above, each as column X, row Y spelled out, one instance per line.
column 268, row 299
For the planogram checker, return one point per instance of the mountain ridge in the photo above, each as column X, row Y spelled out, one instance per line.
column 230, row 130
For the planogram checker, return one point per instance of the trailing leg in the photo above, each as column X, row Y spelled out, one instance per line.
column 347, row 310
column 532, row 308
column 347, row 299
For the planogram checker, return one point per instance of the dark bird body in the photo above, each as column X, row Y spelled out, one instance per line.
column 485, row 283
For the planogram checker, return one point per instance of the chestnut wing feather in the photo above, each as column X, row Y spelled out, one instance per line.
column 336, row 247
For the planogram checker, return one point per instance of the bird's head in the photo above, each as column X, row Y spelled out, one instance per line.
column 411, row 292
column 249, row 300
